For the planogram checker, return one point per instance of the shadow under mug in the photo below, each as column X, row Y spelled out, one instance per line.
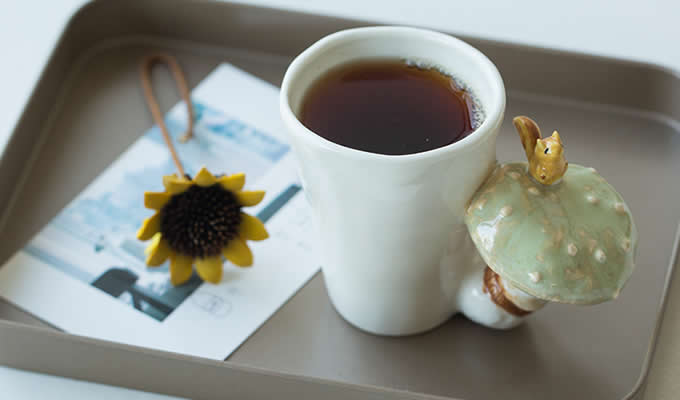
column 389, row 225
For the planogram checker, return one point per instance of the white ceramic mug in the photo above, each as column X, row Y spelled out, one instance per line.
column 389, row 226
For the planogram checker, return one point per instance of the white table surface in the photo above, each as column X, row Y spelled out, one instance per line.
column 631, row 29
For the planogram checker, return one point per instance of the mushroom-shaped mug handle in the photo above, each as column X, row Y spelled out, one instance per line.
column 484, row 296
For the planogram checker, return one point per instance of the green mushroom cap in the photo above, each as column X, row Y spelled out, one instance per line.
column 570, row 242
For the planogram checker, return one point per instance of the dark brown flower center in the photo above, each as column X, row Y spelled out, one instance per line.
column 201, row 221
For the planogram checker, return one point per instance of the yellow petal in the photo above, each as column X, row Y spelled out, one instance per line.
column 150, row 227
column 210, row 269
column 158, row 251
column 233, row 182
column 155, row 200
column 204, row 178
column 252, row 228
column 180, row 269
column 154, row 239
column 175, row 185
column 250, row 198
column 238, row 253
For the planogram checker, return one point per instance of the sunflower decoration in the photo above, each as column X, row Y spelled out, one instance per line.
column 198, row 222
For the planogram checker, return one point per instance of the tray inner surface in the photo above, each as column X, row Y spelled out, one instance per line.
column 562, row 352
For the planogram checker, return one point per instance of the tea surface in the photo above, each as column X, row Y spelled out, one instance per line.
column 388, row 107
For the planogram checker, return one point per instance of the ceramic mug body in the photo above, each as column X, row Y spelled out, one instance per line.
column 387, row 224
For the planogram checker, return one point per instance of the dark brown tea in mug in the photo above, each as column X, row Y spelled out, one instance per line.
column 389, row 107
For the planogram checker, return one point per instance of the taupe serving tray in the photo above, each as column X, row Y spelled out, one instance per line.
column 621, row 118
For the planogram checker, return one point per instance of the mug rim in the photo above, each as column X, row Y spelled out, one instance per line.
column 494, row 111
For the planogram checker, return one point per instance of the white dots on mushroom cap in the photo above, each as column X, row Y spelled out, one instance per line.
column 534, row 191
column 593, row 170
column 600, row 256
column 572, row 250
column 592, row 199
column 535, row 277
column 506, row 211
column 620, row 208
column 625, row 245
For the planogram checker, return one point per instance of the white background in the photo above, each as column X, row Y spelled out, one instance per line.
column 633, row 29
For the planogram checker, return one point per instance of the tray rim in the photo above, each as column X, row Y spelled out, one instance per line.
column 82, row 9
column 8, row 325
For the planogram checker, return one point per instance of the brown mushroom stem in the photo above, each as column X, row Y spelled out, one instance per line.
column 546, row 159
column 500, row 295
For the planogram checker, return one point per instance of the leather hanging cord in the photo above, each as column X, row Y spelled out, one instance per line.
column 145, row 71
